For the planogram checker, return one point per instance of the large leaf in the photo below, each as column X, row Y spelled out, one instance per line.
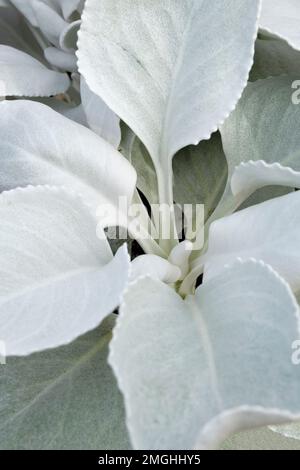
column 172, row 70
column 282, row 17
column 47, row 148
column 267, row 231
column 65, row 398
column 264, row 126
column 200, row 174
column 22, row 75
column 185, row 377
column 58, row 279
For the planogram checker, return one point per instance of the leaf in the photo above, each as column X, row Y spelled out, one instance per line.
column 22, row 75
column 69, row 36
column 262, row 127
column 58, row 279
column 26, row 9
column 267, row 231
column 99, row 117
column 70, row 6
column 155, row 267
column 274, row 57
column 200, row 174
column 14, row 32
column 63, row 60
column 185, row 380
column 172, row 70
column 49, row 21
column 47, row 148
column 281, row 17
column 65, row 398
column 291, row 431
column 252, row 175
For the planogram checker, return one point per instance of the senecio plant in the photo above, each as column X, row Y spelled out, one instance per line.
column 149, row 341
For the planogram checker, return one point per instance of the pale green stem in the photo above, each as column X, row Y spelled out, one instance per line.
column 165, row 192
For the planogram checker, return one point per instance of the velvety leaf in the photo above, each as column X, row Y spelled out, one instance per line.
column 282, row 17
column 262, row 127
column 99, row 117
column 172, row 70
column 200, row 174
column 268, row 231
column 58, row 279
column 47, row 148
column 185, row 380
column 22, row 75
column 66, row 398
column 274, row 57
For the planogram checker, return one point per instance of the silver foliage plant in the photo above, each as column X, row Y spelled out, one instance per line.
column 174, row 345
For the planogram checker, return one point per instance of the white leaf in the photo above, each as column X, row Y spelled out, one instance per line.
column 155, row 267
column 99, row 117
column 47, row 148
column 26, row 9
column 49, row 21
column 58, row 280
column 61, row 59
column 252, row 175
column 268, row 231
column 184, row 367
column 263, row 126
column 282, row 17
column 22, row 75
column 172, row 70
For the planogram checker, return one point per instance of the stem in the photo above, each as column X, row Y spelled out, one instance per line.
column 147, row 243
column 188, row 285
column 165, row 192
